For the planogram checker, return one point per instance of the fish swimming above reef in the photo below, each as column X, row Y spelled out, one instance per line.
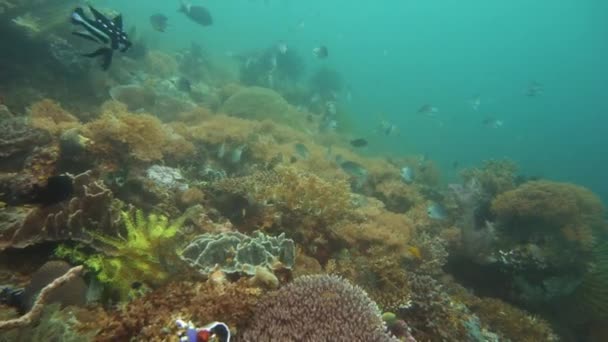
column 353, row 169
column 101, row 30
column 492, row 123
column 198, row 14
column 436, row 212
column 302, row 150
column 360, row 142
column 407, row 174
column 57, row 189
column 534, row 89
column 428, row 109
column 321, row 52
column 159, row 22
column 387, row 128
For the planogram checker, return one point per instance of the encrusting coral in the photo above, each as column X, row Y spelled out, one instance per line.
column 317, row 308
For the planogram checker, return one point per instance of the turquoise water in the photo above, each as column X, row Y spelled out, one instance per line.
column 396, row 56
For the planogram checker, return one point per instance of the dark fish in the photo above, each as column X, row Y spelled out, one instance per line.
column 428, row 109
column 353, row 168
column 302, row 150
column 102, row 30
column 492, row 123
column 136, row 285
column 321, row 52
column 159, row 22
column 198, row 14
column 359, row 142
column 57, row 189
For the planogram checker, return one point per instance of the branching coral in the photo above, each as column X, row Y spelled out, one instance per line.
column 152, row 317
column 137, row 256
column 317, row 308
column 48, row 115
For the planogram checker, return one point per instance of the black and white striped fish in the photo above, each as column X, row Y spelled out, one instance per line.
column 102, row 30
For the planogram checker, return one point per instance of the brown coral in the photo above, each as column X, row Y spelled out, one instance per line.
column 317, row 308
column 141, row 137
column 152, row 317
column 48, row 115
column 551, row 207
column 92, row 208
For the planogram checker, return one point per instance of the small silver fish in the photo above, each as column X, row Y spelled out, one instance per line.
column 436, row 212
column 237, row 153
column 407, row 174
column 302, row 150
column 221, row 151
column 428, row 109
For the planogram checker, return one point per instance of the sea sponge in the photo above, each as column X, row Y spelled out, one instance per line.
column 51, row 117
column 317, row 308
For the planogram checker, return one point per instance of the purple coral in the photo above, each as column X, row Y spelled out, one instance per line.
column 317, row 308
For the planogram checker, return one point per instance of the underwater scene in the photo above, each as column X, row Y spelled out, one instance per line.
column 283, row 170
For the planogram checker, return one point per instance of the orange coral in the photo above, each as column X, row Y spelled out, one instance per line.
column 140, row 136
column 50, row 116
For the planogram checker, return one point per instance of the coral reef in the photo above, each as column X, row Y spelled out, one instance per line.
column 317, row 308
column 17, row 141
column 233, row 252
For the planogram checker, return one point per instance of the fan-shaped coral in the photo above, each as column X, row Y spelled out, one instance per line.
column 317, row 308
